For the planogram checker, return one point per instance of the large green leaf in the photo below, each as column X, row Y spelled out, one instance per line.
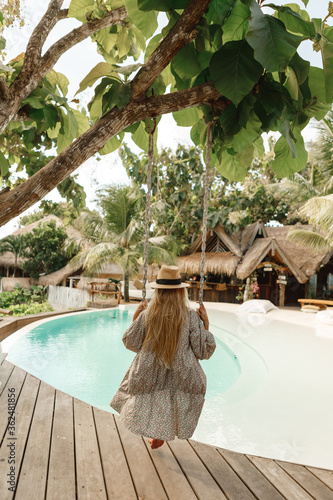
column 236, row 25
column 141, row 137
column 79, row 9
column 199, row 133
column 112, row 144
column 296, row 20
column 50, row 115
column 326, row 46
column 273, row 45
column 82, row 122
column 161, row 5
column 231, row 167
column 145, row 21
column 247, row 135
column 316, row 84
column 219, row 11
column 106, row 39
column 186, row 63
column 118, row 95
column 101, row 69
column 4, row 165
column 291, row 83
column 301, row 68
column 285, row 163
column 56, row 78
column 234, row 70
column 186, row 117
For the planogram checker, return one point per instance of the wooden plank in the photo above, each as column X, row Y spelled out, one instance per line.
column 146, row 480
column 231, row 485
column 23, row 414
column 61, row 475
column 326, row 476
column 254, row 480
column 119, row 484
column 6, row 369
column 197, row 475
column 89, row 473
column 308, row 481
column 281, row 480
column 316, row 301
column 33, row 474
column 11, row 390
column 170, row 473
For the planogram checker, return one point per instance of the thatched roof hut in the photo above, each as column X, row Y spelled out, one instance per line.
column 258, row 252
column 215, row 263
column 307, row 262
column 7, row 260
column 241, row 253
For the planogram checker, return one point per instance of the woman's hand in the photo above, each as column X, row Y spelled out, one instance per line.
column 141, row 307
column 203, row 316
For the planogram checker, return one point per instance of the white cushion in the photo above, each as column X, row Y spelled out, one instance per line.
column 325, row 317
column 256, row 306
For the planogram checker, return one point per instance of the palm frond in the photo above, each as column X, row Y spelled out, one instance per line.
column 99, row 256
column 313, row 241
column 319, row 210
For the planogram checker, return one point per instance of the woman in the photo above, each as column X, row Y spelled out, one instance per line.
column 162, row 393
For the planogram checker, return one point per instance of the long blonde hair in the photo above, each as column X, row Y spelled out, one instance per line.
column 167, row 312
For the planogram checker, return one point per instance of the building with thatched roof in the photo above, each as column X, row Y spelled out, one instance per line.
column 7, row 260
column 283, row 270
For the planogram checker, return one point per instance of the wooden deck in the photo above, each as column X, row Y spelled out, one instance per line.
column 64, row 449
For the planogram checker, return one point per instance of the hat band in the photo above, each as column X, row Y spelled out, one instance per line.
column 168, row 282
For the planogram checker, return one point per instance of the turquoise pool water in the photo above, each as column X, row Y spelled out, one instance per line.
column 83, row 355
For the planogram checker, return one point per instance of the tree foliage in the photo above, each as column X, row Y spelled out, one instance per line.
column 44, row 251
column 234, row 60
column 178, row 190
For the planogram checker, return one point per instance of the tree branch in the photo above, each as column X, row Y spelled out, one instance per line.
column 36, row 67
column 181, row 34
column 76, row 36
column 39, row 35
column 42, row 182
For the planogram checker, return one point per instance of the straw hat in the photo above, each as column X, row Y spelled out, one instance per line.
column 168, row 278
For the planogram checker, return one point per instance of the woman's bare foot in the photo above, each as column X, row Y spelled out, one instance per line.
column 155, row 443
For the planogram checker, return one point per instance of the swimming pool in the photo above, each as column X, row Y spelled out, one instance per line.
column 269, row 387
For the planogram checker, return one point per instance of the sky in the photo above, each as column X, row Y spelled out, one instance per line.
column 77, row 63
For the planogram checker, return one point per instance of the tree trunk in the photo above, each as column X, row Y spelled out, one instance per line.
column 126, row 287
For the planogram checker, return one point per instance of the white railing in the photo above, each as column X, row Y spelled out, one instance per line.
column 67, row 297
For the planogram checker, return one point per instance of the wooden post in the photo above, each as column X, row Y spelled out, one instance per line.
column 282, row 294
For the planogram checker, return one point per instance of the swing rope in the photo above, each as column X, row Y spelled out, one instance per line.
column 209, row 145
column 147, row 211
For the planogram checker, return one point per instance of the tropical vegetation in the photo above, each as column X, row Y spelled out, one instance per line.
column 118, row 235
column 23, row 301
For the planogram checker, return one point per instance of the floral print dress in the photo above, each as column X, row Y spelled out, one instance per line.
column 159, row 402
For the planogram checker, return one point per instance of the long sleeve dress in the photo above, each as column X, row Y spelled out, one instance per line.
column 159, row 402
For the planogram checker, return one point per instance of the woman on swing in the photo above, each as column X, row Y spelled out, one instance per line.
column 162, row 393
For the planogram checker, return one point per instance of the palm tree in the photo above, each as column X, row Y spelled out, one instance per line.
column 14, row 244
column 119, row 234
column 319, row 211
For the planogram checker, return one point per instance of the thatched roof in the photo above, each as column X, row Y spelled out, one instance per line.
column 229, row 242
column 215, row 262
column 247, row 235
column 58, row 276
column 307, row 262
column 258, row 252
column 8, row 259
